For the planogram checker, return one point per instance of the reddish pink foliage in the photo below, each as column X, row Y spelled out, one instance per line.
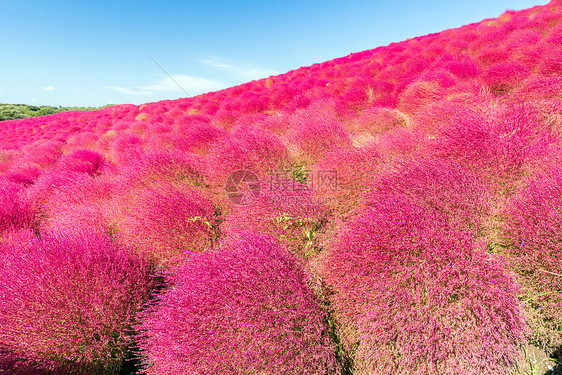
column 83, row 161
column 249, row 148
column 498, row 148
column 483, row 100
column 77, row 204
column 463, row 68
column 42, row 153
column 315, row 131
column 419, row 94
column 286, row 209
column 438, row 185
column 379, row 120
column 416, row 296
column 15, row 209
column 504, row 76
column 154, row 168
column 533, row 229
column 353, row 171
column 68, row 303
column 166, row 221
column 198, row 137
column 243, row 308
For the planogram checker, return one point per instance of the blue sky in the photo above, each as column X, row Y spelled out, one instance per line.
column 92, row 53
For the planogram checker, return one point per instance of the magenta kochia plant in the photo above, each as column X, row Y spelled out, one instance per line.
column 249, row 147
column 504, row 76
column 286, row 209
column 243, row 308
column 438, row 185
column 533, row 231
column 500, row 147
column 68, row 303
column 316, row 130
column 168, row 221
column 415, row 295
column 15, row 209
column 82, row 160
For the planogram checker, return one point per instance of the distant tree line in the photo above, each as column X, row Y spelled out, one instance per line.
column 19, row 111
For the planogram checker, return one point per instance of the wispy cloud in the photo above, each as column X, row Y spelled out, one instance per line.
column 49, row 88
column 239, row 71
column 192, row 85
column 189, row 83
column 128, row 91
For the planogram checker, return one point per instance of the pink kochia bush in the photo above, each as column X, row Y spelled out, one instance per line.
column 415, row 295
column 244, row 308
column 316, row 130
column 248, row 148
column 438, row 185
column 168, row 221
column 533, row 231
column 82, row 160
column 286, row 209
column 15, row 210
column 68, row 303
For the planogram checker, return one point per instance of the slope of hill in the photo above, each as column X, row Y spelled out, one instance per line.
column 394, row 211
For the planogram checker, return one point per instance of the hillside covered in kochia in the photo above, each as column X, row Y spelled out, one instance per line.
column 397, row 210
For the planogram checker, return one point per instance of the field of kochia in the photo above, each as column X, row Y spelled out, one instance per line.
column 394, row 211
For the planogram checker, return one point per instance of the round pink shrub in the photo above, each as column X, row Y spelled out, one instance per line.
column 438, row 185
column 15, row 210
column 414, row 295
column 244, row 308
column 343, row 176
column 286, row 209
column 125, row 147
column 69, row 303
column 551, row 64
column 198, row 137
column 83, row 161
column 43, row 153
column 23, row 173
column 537, row 87
column 441, row 114
column 463, row 67
column 78, row 204
column 167, row 221
column 504, row 76
column 49, row 183
column 82, row 139
column 248, row 148
column 533, row 229
column 156, row 167
column 377, row 120
column 499, row 147
column 419, row 94
column 315, row 131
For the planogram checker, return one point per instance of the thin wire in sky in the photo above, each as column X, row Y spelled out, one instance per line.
column 168, row 74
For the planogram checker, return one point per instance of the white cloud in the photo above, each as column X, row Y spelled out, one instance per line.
column 74, row 90
column 34, row 100
column 49, row 88
column 128, row 91
column 174, row 83
column 1, row 89
column 242, row 73
column 188, row 83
